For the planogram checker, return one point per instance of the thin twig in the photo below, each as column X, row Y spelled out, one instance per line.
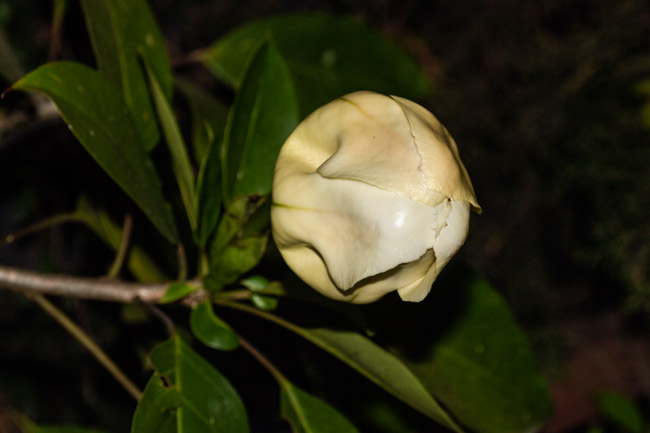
column 122, row 248
column 164, row 318
column 182, row 263
column 41, row 225
column 87, row 342
column 262, row 359
column 77, row 287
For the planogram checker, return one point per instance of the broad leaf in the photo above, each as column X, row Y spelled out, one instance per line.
column 98, row 116
column 177, row 149
column 186, row 394
column 210, row 330
column 328, row 57
column 238, row 246
column 309, row 414
column 263, row 115
column 381, row 367
column 121, row 30
column 481, row 367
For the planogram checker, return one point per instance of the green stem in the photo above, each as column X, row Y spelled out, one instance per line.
column 182, row 263
column 264, row 315
column 122, row 248
column 87, row 342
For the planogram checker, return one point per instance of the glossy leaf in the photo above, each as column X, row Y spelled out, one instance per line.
column 264, row 302
column 236, row 249
column 138, row 262
column 328, row 57
column 209, row 116
column 121, row 30
column 263, row 115
column 186, row 394
column 177, row 149
column 381, row 367
column 97, row 115
column 208, row 126
column 210, row 330
column 309, row 414
column 482, row 369
column 177, row 291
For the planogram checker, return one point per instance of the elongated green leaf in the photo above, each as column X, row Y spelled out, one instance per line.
column 176, row 144
column 328, row 57
column 177, row 291
column 382, row 368
column 309, row 414
column 138, row 262
column 209, row 116
column 237, row 247
column 119, row 30
column 208, row 126
column 187, row 394
column 97, row 115
column 210, row 330
column 481, row 368
column 263, row 115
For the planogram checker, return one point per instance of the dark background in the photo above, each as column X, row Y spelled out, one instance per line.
column 546, row 102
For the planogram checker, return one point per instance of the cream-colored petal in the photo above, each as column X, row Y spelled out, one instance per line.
column 441, row 164
column 451, row 238
column 358, row 230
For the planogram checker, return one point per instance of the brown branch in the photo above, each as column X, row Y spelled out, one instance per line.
column 76, row 287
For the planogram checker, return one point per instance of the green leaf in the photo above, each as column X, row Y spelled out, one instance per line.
column 186, row 394
column 119, row 30
column 621, row 412
column 481, row 367
column 235, row 249
column 210, row 330
column 381, row 367
column 208, row 195
column 309, row 414
column 263, row 115
column 208, row 125
column 138, row 262
column 177, row 148
column 97, row 115
column 328, row 57
column 264, row 302
column 209, row 116
column 177, row 291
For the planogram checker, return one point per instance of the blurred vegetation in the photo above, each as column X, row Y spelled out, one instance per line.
column 549, row 102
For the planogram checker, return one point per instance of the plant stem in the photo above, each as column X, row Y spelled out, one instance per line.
column 76, row 287
column 263, row 314
column 122, row 248
column 85, row 340
column 41, row 225
column 262, row 359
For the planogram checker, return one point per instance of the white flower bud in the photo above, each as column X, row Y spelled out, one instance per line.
column 370, row 196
